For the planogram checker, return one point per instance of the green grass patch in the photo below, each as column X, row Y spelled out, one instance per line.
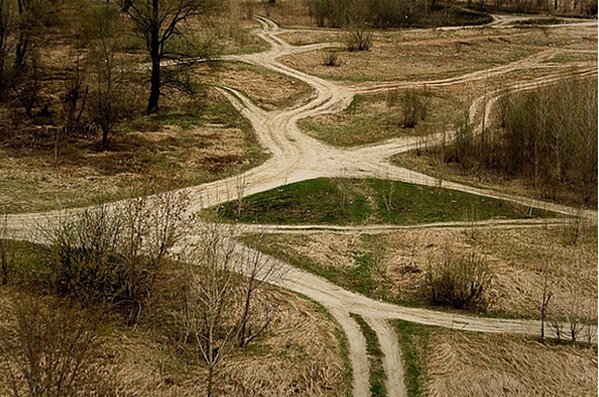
column 413, row 342
column 375, row 356
column 28, row 263
column 356, row 202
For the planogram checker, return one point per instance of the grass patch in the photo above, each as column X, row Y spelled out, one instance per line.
column 356, row 202
column 375, row 356
column 370, row 119
column 413, row 341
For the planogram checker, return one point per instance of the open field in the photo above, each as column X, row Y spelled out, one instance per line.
column 376, row 117
column 442, row 363
column 314, row 201
column 426, row 55
column 267, row 89
column 393, row 266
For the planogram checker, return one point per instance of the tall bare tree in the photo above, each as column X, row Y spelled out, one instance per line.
column 158, row 21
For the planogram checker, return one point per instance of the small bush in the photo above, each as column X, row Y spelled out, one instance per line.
column 112, row 255
column 414, row 108
column 47, row 350
column 358, row 39
column 459, row 283
column 330, row 57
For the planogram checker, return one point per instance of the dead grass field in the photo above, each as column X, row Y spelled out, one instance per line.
column 426, row 55
column 516, row 257
column 183, row 146
column 299, row 355
column 269, row 90
column 460, row 365
column 372, row 118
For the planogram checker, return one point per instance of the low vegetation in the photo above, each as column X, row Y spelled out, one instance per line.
column 546, row 137
column 436, row 358
column 460, row 282
column 514, row 266
column 414, row 344
column 375, row 356
column 210, row 330
column 352, row 201
column 376, row 117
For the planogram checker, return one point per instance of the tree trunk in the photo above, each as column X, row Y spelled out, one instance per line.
column 155, row 86
column 104, row 138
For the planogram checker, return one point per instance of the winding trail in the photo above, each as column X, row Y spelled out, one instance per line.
column 296, row 157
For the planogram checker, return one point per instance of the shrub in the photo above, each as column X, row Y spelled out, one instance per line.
column 414, row 108
column 358, row 39
column 330, row 57
column 48, row 351
column 113, row 254
column 459, row 282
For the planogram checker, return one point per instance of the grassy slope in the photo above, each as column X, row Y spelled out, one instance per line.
column 145, row 154
column 355, row 202
column 156, row 335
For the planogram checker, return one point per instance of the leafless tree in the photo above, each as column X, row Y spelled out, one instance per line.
column 545, row 299
column 50, row 351
column 221, row 296
column 158, row 21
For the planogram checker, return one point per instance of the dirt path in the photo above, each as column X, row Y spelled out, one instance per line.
column 297, row 157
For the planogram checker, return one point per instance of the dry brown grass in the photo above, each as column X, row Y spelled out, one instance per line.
column 172, row 151
column 517, row 258
column 460, row 365
column 371, row 118
column 299, row 355
column 270, row 90
column 424, row 55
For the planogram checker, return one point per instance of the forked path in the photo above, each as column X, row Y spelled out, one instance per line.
column 296, row 157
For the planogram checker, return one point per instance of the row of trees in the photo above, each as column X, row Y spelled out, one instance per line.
column 548, row 136
column 99, row 75
column 375, row 13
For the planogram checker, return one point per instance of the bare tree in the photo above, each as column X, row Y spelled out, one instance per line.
column 49, row 351
column 158, row 21
column 545, row 299
column 105, row 39
column 221, row 298
column 208, row 299
column 6, row 28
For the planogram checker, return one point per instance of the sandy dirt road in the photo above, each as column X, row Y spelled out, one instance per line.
column 296, row 157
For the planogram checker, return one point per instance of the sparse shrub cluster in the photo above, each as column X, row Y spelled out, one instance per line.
column 48, row 350
column 459, row 282
column 548, row 136
column 113, row 255
column 413, row 103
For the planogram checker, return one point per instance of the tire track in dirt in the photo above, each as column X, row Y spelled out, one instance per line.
column 297, row 157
